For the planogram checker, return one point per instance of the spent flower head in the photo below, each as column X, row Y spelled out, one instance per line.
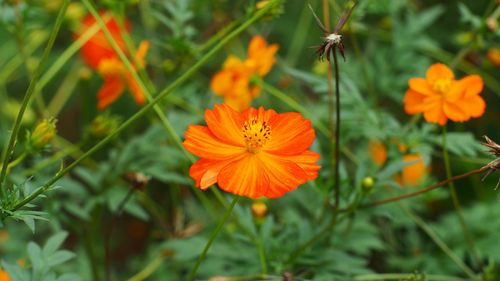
column 494, row 165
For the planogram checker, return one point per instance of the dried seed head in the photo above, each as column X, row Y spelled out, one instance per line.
column 493, row 146
column 494, row 165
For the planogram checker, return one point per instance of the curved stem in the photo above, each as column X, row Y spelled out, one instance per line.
column 227, row 214
column 29, row 94
column 183, row 78
column 424, row 190
column 16, row 161
column 456, row 202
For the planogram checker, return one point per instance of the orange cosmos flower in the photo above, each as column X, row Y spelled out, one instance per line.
column 440, row 97
column 98, row 53
column 254, row 153
column 414, row 173
column 4, row 276
column 237, row 82
column 378, row 152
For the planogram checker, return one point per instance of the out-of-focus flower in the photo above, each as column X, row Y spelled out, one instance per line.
column 378, row 152
column 98, row 53
column 493, row 56
column 4, row 276
column 440, row 97
column 238, row 81
column 44, row 132
column 414, row 172
column 254, row 153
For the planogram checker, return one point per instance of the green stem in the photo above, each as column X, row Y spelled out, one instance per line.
column 456, row 202
column 427, row 229
column 262, row 255
column 337, row 129
column 17, row 161
column 227, row 214
column 404, row 276
column 29, row 94
column 183, row 78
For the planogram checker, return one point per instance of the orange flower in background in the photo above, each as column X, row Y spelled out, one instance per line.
column 413, row 173
column 254, row 153
column 378, row 152
column 440, row 97
column 237, row 82
column 98, row 53
column 493, row 56
column 116, row 78
column 4, row 276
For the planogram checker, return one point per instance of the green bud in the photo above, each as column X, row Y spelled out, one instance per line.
column 103, row 125
column 367, row 183
column 44, row 132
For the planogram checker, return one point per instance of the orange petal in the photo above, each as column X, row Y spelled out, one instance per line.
column 306, row 161
column 245, row 177
column 111, row 90
column 454, row 112
column 290, row 134
column 221, row 82
column 438, row 71
column 201, row 142
column 378, row 152
column 226, row 124
column 135, row 90
column 433, row 111
column 260, row 114
column 284, row 175
column 206, row 171
column 414, row 102
column 421, row 86
column 141, row 53
column 256, row 44
column 413, row 173
column 473, row 85
column 474, row 106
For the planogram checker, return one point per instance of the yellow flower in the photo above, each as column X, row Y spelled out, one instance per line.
column 44, row 132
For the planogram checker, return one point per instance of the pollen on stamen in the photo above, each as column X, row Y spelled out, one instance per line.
column 256, row 134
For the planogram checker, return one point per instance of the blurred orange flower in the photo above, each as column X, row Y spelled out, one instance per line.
column 493, row 56
column 254, row 153
column 413, row 173
column 440, row 97
column 378, row 152
column 98, row 53
column 238, row 81
column 4, row 276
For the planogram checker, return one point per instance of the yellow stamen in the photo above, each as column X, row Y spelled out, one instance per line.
column 256, row 134
column 442, row 85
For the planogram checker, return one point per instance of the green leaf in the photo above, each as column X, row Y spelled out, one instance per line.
column 54, row 243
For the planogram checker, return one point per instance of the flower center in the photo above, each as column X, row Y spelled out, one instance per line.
column 256, row 134
column 441, row 85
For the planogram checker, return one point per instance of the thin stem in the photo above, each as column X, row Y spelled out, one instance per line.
column 16, row 161
column 456, row 202
column 262, row 255
column 183, row 78
column 29, row 94
column 439, row 242
column 404, row 276
column 227, row 214
column 424, row 190
column 337, row 129
column 149, row 269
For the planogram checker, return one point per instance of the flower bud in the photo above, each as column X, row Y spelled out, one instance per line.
column 367, row 183
column 44, row 132
column 259, row 209
column 103, row 125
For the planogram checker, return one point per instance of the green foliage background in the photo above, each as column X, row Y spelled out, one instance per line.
column 160, row 231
